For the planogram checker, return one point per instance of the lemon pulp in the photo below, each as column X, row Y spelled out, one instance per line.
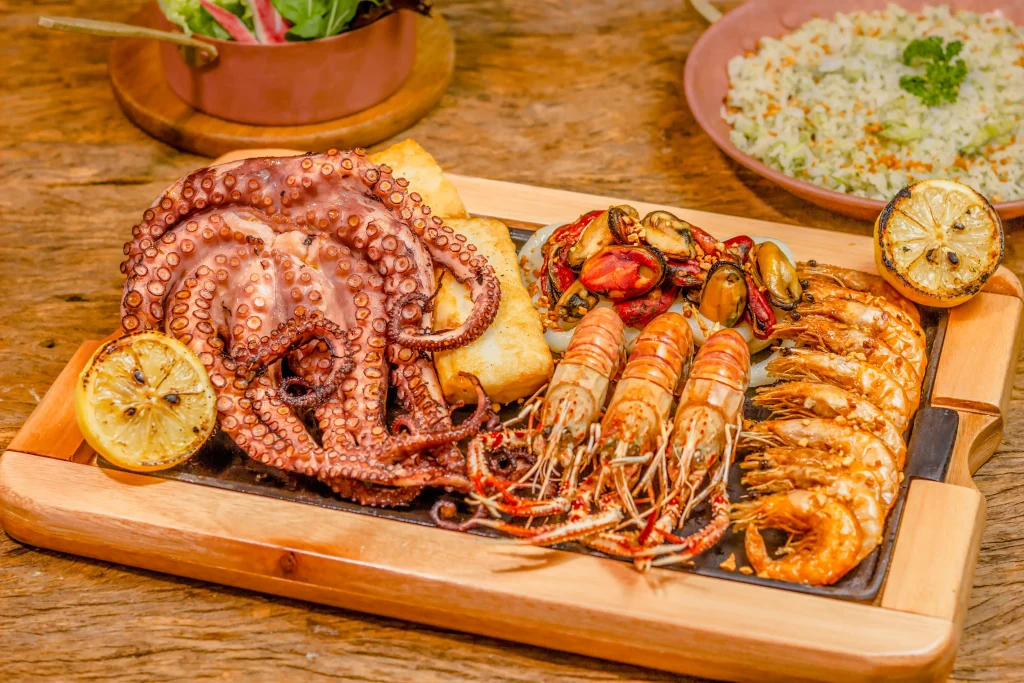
column 937, row 242
column 144, row 402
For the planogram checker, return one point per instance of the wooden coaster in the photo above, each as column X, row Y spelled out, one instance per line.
column 141, row 90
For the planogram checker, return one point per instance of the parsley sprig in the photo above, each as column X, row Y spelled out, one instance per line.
column 942, row 76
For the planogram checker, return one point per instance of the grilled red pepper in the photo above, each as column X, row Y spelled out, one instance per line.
column 685, row 273
column 762, row 317
column 642, row 310
column 707, row 243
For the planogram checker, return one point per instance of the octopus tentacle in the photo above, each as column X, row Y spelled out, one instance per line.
column 329, row 188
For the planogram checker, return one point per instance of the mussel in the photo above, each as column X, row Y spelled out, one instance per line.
column 620, row 272
column 575, row 303
column 685, row 273
column 617, row 224
column 669, row 234
column 557, row 273
column 778, row 275
column 724, row 295
column 642, row 310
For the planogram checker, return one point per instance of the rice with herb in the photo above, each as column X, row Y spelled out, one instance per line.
column 825, row 104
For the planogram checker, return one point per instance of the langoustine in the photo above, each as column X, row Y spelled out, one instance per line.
column 629, row 434
column 574, row 399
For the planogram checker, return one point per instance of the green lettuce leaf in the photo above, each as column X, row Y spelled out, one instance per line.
column 192, row 18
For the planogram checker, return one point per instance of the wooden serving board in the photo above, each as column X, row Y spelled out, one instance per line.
column 142, row 91
column 52, row 494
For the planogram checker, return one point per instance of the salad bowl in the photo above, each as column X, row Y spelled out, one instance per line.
column 296, row 83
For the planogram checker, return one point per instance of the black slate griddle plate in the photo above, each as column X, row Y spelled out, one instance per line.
column 221, row 464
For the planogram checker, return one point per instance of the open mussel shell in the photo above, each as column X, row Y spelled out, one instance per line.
column 724, row 295
column 620, row 272
column 669, row 234
column 616, row 225
column 558, row 275
column 575, row 303
column 778, row 275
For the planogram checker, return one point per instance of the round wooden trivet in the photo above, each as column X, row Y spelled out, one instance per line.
column 140, row 89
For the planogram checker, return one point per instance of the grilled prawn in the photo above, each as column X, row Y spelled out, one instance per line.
column 574, row 399
column 629, row 434
column 859, row 281
column 846, row 372
column 842, row 442
column 825, row 538
column 813, row 399
column 821, row 333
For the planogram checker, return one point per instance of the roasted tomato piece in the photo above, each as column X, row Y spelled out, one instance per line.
column 621, row 273
column 638, row 312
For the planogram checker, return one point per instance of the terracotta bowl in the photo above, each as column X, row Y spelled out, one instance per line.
column 738, row 31
column 297, row 83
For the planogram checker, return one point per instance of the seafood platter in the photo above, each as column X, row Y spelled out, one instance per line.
column 689, row 441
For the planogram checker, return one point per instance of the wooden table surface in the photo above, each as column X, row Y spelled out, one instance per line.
column 580, row 94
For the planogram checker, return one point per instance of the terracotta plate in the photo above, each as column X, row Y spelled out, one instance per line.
column 707, row 82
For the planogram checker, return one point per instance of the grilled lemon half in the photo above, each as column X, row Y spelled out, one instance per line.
column 144, row 402
column 937, row 242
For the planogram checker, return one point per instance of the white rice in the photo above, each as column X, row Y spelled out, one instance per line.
column 824, row 104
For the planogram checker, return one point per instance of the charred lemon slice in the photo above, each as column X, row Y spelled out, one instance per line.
column 145, row 402
column 937, row 242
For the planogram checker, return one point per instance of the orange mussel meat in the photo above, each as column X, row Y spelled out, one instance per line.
column 621, row 273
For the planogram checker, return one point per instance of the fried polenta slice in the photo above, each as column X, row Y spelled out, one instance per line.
column 410, row 161
column 511, row 358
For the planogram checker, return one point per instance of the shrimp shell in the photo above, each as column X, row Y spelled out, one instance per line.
column 830, row 543
column 825, row 290
column 852, row 484
column 858, row 280
column 828, row 435
column 643, row 397
column 877, row 386
column 903, row 335
column 824, row 334
column 579, row 385
column 712, row 399
column 813, row 399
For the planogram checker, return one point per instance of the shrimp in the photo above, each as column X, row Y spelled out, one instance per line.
column 829, row 537
column 709, row 416
column 630, row 430
column 853, row 484
column 908, row 328
column 846, row 444
column 877, row 386
column 574, row 399
column 823, row 334
column 813, row 399
column 857, row 280
column 900, row 333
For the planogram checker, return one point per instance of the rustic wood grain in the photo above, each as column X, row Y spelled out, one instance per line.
column 579, row 94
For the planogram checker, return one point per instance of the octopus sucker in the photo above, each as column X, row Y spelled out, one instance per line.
column 301, row 284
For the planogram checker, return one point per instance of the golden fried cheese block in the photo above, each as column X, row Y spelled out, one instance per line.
column 510, row 359
column 410, row 161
